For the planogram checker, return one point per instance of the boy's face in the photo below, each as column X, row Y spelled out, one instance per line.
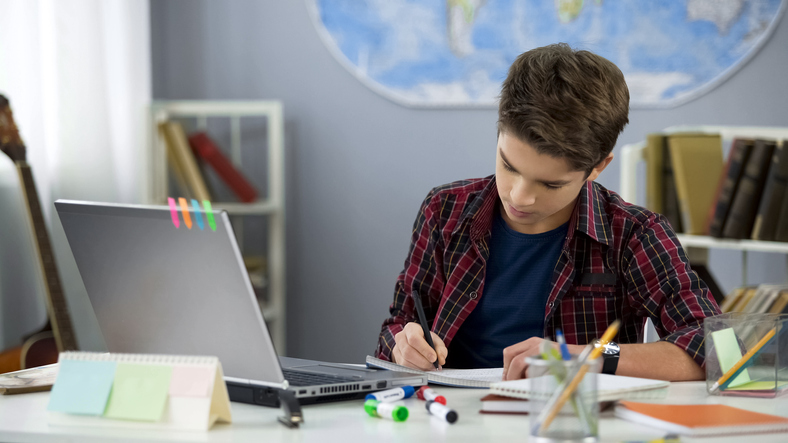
column 537, row 191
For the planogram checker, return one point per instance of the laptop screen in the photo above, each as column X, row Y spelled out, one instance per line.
column 160, row 288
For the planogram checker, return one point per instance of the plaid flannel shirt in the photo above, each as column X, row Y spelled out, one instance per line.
column 619, row 261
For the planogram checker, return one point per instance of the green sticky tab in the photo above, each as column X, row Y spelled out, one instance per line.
column 728, row 353
column 82, row 387
column 139, row 392
column 209, row 214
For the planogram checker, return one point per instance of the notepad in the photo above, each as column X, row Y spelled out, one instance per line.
column 609, row 388
column 700, row 420
column 139, row 390
column 461, row 378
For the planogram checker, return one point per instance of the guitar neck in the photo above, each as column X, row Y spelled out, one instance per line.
column 56, row 302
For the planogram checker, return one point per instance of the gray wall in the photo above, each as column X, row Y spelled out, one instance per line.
column 358, row 165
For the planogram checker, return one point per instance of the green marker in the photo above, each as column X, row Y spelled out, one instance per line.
column 386, row 410
column 209, row 214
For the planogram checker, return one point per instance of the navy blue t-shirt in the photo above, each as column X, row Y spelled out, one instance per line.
column 516, row 287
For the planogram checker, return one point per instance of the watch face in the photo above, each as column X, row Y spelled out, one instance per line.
column 611, row 348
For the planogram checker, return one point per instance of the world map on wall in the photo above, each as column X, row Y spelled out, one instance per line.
column 457, row 52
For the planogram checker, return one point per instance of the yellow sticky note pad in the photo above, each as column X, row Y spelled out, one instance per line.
column 139, row 392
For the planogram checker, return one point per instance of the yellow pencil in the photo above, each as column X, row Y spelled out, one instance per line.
column 735, row 368
column 611, row 332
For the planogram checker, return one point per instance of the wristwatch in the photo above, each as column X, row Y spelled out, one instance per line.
column 610, row 353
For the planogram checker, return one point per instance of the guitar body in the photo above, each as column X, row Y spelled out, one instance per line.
column 43, row 347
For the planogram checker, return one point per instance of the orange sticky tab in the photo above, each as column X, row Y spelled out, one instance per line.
column 185, row 211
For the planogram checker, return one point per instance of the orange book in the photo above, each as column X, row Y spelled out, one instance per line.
column 700, row 420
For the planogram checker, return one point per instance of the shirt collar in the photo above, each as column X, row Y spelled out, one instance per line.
column 588, row 217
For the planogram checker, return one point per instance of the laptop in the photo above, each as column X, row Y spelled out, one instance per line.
column 158, row 288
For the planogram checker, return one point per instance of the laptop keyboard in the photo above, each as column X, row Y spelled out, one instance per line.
column 300, row 378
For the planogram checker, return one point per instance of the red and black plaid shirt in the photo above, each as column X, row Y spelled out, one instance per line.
column 619, row 261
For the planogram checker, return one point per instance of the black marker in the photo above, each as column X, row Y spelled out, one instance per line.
column 442, row 411
column 424, row 327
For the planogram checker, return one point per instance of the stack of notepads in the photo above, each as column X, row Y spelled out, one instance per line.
column 139, row 390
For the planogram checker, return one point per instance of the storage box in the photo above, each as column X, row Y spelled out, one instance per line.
column 760, row 341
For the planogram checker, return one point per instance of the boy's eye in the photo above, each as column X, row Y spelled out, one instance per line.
column 552, row 187
column 507, row 167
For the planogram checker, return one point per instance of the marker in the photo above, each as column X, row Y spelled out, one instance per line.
column 386, row 410
column 442, row 411
column 559, row 336
column 425, row 393
column 390, row 395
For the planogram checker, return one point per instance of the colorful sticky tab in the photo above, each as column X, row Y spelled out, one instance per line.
column 185, row 211
column 209, row 214
column 82, row 387
column 139, row 392
column 174, row 212
column 191, row 381
column 197, row 214
column 728, row 353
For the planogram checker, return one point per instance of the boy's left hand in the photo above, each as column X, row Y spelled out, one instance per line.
column 514, row 365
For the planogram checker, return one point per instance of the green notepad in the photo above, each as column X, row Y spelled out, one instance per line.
column 139, row 392
column 728, row 353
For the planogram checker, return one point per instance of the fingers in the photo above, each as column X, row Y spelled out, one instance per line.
column 514, row 365
column 440, row 349
column 412, row 349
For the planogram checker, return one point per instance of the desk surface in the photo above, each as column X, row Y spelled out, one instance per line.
column 23, row 418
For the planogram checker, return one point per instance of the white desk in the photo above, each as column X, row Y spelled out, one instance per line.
column 23, row 419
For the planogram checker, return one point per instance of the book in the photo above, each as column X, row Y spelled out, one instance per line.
column 461, row 378
column 184, row 161
column 499, row 404
column 145, row 391
column 780, row 305
column 782, row 223
column 697, row 166
column 205, row 148
column 670, row 199
column 700, row 420
column 729, row 181
column 28, row 380
column 766, row 218
column 609, row 388
column 741, row 217
column 732, row 298
column 745, row 299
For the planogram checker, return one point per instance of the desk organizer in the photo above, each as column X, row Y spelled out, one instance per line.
column 747, row 354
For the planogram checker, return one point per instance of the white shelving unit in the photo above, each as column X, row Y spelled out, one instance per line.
column 698, row 245
column 272, row 206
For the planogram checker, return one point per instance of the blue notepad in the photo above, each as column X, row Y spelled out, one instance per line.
column 82, row 387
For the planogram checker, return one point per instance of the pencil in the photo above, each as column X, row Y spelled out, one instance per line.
column 567, row 392
column 423, row 322
column 734, row 370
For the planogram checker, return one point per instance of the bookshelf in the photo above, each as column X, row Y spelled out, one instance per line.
column 698, row 245
column 271, row 205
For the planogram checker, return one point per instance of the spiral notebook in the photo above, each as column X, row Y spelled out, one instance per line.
column 460, row 378
column 147, row 391
column 609, row 388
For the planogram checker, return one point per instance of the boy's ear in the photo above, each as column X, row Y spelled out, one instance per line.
column 600, row 167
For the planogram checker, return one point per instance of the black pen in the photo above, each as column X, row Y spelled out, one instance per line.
column 423, row 322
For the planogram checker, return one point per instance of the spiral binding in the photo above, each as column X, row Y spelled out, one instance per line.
column 154, row 359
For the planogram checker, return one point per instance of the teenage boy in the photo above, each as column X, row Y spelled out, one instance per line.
column 503, row 262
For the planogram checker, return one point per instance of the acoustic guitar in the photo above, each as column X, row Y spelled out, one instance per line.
column 42, row 347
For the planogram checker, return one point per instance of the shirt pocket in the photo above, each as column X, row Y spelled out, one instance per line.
column 592, row 308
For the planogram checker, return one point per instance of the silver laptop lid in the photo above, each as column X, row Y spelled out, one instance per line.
column 158, row 288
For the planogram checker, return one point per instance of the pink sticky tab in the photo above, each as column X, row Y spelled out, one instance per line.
column 191, row 381
column 174, row 212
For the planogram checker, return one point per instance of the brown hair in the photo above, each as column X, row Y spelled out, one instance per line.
column 565, row 103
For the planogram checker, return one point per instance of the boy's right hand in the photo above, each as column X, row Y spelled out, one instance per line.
column 412, row 350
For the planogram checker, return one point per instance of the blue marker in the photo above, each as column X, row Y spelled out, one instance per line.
column 390, row 395
column 559, row 336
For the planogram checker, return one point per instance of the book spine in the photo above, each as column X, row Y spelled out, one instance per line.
column 782, row 221
column 654, row 172
column 206, row 149
column 742, row 213
column 671, row 199
column 729, row 181
column 769, row 210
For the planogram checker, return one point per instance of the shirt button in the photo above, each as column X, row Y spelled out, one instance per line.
column 551, row 304
column 473, row 295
